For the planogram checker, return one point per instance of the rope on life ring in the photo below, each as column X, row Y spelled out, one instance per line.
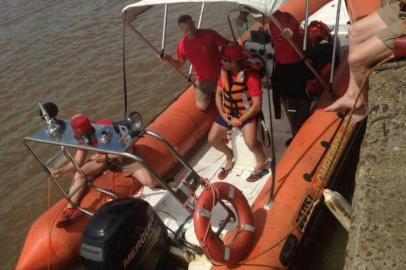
column 212, row 245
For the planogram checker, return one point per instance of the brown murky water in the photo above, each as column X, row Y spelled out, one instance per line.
column 70, row 52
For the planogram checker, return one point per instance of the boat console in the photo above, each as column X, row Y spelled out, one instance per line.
column 114, row 138
column 104, row 137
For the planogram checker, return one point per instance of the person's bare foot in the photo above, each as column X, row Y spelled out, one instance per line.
column 345, row 104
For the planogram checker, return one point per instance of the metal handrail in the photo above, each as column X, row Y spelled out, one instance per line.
column 67, row 140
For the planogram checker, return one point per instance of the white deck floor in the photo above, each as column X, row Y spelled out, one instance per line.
column 207, row 162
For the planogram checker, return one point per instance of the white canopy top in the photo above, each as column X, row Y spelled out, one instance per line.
column 266, row 7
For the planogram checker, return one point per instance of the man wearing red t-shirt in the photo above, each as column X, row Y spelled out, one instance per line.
column 238, row 100
column 289, row 76
column 201, row 48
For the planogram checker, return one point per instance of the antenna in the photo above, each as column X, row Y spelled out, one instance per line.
column 44, row 113
column 48, row 111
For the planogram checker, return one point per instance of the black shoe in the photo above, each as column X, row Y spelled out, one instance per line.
column 288, row 141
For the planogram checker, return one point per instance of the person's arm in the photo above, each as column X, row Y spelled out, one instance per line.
column 253, row 110
column 288, row 23
column 247, row 35
column 103, row 157
column 79, row 158
column 180, row 58
column 219, row 102
column 177, row 63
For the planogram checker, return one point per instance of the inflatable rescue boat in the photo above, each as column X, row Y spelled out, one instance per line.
column 190, row 225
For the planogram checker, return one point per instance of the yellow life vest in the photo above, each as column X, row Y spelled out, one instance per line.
column 236, row 100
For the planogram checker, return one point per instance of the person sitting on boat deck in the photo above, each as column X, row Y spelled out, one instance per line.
column 371, row 39
column 289, row 75
column 238, row 100
column 201, row 48
column 92, row 168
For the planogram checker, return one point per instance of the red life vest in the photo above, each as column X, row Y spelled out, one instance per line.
column 236, row 100
column 314, row 88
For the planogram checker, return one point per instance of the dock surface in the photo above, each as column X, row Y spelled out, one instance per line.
column 377, row 238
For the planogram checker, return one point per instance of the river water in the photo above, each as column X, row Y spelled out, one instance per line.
column 70, row 53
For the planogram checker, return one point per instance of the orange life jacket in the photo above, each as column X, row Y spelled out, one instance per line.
column 236, row 100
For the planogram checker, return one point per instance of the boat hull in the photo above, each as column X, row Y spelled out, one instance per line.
column 184, row 126
column 298, row 191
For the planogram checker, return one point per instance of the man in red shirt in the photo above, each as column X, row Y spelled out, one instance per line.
column 201, row 48
column 238, row 100
column 289, row 76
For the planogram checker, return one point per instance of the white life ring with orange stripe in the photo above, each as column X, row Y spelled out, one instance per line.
column 212, row 245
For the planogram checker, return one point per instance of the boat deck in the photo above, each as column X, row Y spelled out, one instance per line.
column 207, row 162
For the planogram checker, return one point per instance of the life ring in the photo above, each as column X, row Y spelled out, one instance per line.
column 212, row 245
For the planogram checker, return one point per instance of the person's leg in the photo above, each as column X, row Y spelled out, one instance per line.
column 249, row 133
column 385, row 24
column 145, row 178
column 90, row 169
column 364, row 29
column 298, row 110
column 368, row 53
column 202, row 101
column 359, row 32
column 284, row 101
column 217, row 139
column 204, row 93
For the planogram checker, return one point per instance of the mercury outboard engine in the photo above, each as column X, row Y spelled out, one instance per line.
column 124, row 234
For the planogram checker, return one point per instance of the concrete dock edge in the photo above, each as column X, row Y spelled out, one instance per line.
column 377, row 238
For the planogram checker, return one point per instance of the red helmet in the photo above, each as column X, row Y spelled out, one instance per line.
column 233, row 52
column 318, row 31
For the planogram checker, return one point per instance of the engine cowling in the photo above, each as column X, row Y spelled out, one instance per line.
column 124, row 234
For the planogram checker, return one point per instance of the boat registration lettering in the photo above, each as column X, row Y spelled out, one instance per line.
column 334, row 153
column 302, row 217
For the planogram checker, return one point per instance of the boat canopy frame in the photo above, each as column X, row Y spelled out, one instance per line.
column 256, row 8
column 130, row 13
column 267, row 7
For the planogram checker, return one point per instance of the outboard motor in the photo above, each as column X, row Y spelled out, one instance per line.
column 124, row 234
